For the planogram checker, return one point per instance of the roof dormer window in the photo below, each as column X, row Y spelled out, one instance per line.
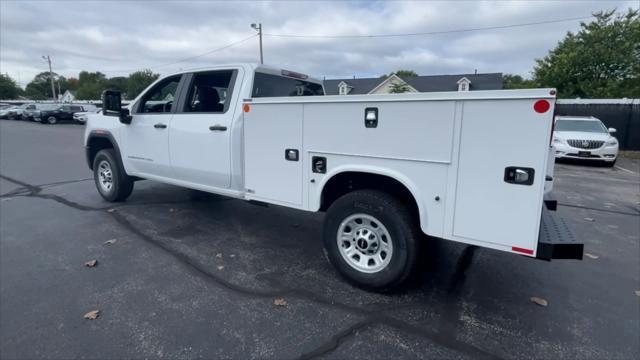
column 344, row 88
column 464, row 84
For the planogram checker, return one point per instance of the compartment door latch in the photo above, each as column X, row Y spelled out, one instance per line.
column 519, row 175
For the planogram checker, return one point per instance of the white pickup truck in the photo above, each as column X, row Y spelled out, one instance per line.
column 470, row 167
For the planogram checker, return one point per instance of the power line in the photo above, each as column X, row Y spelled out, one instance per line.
column 181, row 60
column 430, row 32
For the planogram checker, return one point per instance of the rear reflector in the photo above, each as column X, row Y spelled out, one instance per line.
column 246, row 108
column 521, row 250
column 541, row 106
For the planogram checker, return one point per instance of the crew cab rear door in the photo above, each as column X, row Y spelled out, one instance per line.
column 200, row 131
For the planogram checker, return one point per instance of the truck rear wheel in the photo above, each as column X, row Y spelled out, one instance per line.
column 371, row 239
column 112, row 182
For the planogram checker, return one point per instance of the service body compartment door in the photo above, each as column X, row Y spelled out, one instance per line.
column 272, row 135
column 504, row 147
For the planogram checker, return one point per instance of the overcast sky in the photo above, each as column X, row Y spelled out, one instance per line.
column 119, row 37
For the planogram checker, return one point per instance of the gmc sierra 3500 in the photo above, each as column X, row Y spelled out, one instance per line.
column 470, row 167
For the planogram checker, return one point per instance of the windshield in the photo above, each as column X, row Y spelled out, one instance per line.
column 580, row 125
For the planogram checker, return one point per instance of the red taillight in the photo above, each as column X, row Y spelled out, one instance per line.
column 541, row 106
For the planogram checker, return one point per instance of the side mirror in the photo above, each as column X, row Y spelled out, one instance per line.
column 112, row 106
column 612, row 130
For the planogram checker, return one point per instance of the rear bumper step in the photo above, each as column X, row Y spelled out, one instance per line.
column 556, row 241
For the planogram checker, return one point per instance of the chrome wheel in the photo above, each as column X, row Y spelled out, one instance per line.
column 364, row 243
column 52, row 120
column 105, row 176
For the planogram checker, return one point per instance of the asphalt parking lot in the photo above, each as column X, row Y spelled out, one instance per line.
column 194, row 275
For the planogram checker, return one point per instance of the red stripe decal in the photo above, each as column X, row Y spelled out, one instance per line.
column 521, row 250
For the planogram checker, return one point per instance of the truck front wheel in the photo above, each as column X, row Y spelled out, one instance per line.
column 112, row 182
column 371, row 238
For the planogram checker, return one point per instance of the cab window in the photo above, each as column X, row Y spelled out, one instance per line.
column 267, row 85
column 210, row 92
column 161, row 97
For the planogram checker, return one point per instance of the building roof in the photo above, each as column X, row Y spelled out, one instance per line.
column 360, row 86
column 426, row 83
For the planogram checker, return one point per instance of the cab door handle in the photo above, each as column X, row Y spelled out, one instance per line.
column 218, row 128
column 160, row 126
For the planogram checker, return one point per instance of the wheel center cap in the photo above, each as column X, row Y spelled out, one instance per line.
column 362, row 244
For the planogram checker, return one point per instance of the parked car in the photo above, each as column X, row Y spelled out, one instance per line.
column 81, row 117
column 584, row 138
column 5, row 111
column 28, row 110
column 385, row 168
column 54, row 113
column 15, row 113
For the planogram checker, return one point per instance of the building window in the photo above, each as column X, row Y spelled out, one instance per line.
column 464, row 84
column 343, row 88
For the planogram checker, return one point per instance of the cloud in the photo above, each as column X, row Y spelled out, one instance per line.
column 119, row 37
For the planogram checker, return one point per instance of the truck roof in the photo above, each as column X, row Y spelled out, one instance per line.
column 253, row 67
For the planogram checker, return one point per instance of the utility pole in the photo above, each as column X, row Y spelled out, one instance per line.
column 258, row 28
column 53, row 88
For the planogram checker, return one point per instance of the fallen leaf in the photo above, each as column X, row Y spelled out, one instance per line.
column 539, row 301
column 218, row 255
column 110, row 242
column 232, row 255
column 279, row 302
column 172, row 210
column 220, row 267
column 92, row 315
column 638, row 292
column 590, row 219
column 91, row 263
column 591, row 256
column 111, row 210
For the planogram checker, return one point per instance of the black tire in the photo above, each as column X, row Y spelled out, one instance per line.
column 51, row 120
column 400, row 224
column 610, row 164
column 121, row 183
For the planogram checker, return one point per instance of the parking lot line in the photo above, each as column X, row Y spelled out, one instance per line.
column 627, row 170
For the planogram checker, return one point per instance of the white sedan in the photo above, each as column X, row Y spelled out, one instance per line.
column 584, row 138
column 81, row 117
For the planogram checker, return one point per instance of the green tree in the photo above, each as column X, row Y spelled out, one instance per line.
column 403, row 74
column 40, row 87
column 406, row 74
column 138, row 81
column 602, row 60
column 8, row 88
column 399, row 88
column 90, row 85
column 517, row 82
column 119, row 83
